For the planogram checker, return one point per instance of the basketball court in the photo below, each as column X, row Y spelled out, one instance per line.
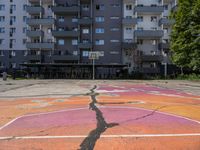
column 113, row 115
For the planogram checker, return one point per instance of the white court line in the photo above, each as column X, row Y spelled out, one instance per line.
column 126, row 107
column 102, row 136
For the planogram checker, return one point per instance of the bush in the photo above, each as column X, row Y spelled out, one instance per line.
column 189, row 76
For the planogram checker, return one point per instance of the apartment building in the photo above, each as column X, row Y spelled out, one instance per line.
column 54, row 37
column 146, row 34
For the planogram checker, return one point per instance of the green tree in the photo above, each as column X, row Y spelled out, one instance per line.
column 185, row 40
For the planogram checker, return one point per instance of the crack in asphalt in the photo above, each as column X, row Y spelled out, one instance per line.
column 90, row 141
column 147, row 115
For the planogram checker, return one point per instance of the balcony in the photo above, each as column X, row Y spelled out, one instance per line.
column 174, row 8
column 166, row 22
column 34, row 33
column 163, row 46
column 43, row 45
column 85, row 21
column 154, row 34
column 34, row 10
column 65, row 57
column 66, row 10
column 129, row 21
column 149, row 9
column 151, row 58
column 85, row 45
column 129, row 45
column 70, row 33
column 33, row 57
column 42, row 21
column 149, row 70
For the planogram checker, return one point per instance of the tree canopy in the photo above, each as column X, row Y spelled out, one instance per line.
column 185, row 36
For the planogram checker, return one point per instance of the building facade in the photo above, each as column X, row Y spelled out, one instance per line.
column 54, row 37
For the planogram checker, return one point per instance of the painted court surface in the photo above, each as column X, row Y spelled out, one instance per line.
column 110, row 115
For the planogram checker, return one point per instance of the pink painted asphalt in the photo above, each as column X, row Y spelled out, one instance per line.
column 130, row 117
column 143, row 89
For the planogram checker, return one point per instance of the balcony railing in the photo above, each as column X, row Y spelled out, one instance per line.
column 69, row 33
column 164, row 46
column 65, row 57
column 34, row 9
column 85, row 21
column 149, row 70
column 42, row 21
column 149, row 9
column 65, row 10
column 149, row 33
column 129, row 45
column 85, row 45
column 129, row 21
column 166, row 21
column 33, row 57
column 151, row 58
column 30, row 33
column 42, row 45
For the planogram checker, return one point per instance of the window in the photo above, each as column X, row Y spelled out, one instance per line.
column 25, row 53
column 165, row 30
column 114, row 41
column 13, row 65
column 13, row 18
column 99, row 30
column 140, row 28
column 13, row 7
column 114, row 29
column 140, row 42
column 166, row 7
column 49, row 30
column 154, row 28
column 128, row 7
column 129, row 17
column 75, row 53
column 85, row 7
column 12, row 30
column 13, row 53
column 74, row 19
column 2, row 18
column 128, row 30
column 61, row 42
column 2, row 41
column 74, row 42
column 99, row 19
column 153, row 19
column 2, row 7
column 24, row 29
column 153, row 42
column 140, row 18
column 115, row 5
column 114, row 17
column 2, row 64
column 24, row 41
column 24, row 18
column 140, row 5
column 61, row 18
column 165, row 41
column 85, row 53
column 1, row 53
column 85, row 31
column 2, row 30
column 24, row 7
column 153, row 5
column 99, row 42
column 100, row 7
